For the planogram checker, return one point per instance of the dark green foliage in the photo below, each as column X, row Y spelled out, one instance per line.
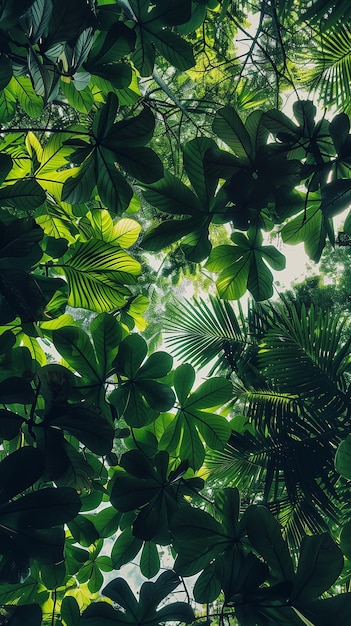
column 127, row 119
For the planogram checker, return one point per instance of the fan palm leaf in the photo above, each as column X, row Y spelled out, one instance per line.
column 282, row 449
column 328, row 69
column 302, row 354
column 203, row 332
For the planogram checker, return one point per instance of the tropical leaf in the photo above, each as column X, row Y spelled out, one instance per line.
column 201, row 332
column 97, row 273
column 192, row 423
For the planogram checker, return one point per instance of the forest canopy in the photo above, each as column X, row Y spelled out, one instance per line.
column 169, row 453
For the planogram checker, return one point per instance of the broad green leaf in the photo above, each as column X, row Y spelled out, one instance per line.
column 228, row 126
column 198, row 538
column 134, row 132
column 114, row 190
column 131, row 354
column 309, row 228
column 343, row 458
column 5, row 166
column 115, row 44
column 170, row 195
column 123, row 232
column 86, row 424
column 345, row 539
column 96, row 274
column 10, row 424
column 21, row 87
column 202, row 181
column 222, row 256
column 18, row 471
column 119, row 591
column 5, row 71
column 81, row 100
column 176, row 50
column 184, row 377
column 23, row 195
column 107, row 521
column 79, row 188
column 125, row 548
column 320, row 564
column 83, row 530
column 265, row 535
column 212, row 393
column 46, row 546
column 70, row 612
column 75, row 346
column 8, row 105
column 41, row 509
column 336, row 197
column 106, row 333
column 232, row 282
column 149, row 560
column 260, row 279
column 207, row 586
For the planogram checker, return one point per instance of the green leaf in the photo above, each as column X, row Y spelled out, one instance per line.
column 97, row 273
column 70, row 612
column 24, row 194
column 184, row 378
column 53, row 576
column 343, row 458
column 7, row 105
column 265, row 535
column 170, row 195
column 85, row 423
column 81, row 100
column 125, row 548
column 75, row 346
column 149, row 560
column 175, row 49
column 308, row 227
column 5, row 70
column 10, row 424
column 18, row 471
column 345, row 539
column 83, row 530
column 207, row 586
column 106, row 333
column 228, row 126
column 320, row 564
column 211, row 394
column 16, row 389
column 42, row 509
column 22, row 89
column 195, row 164
column 26, row 615
column 198, row 538
column 336, row 197
column 114, row 191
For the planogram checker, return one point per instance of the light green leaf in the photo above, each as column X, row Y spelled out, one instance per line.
column 21, row 87
column 96, row 273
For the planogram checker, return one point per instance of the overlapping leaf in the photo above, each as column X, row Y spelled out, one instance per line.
column 193, row 423
column 202, row 205
column 141, row 395
column 243, row 266
column 155, row 491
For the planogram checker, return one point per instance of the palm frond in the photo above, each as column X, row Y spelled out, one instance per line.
column 327, row 13
column 328, row 71
column 203, row 332
column 302, row 354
